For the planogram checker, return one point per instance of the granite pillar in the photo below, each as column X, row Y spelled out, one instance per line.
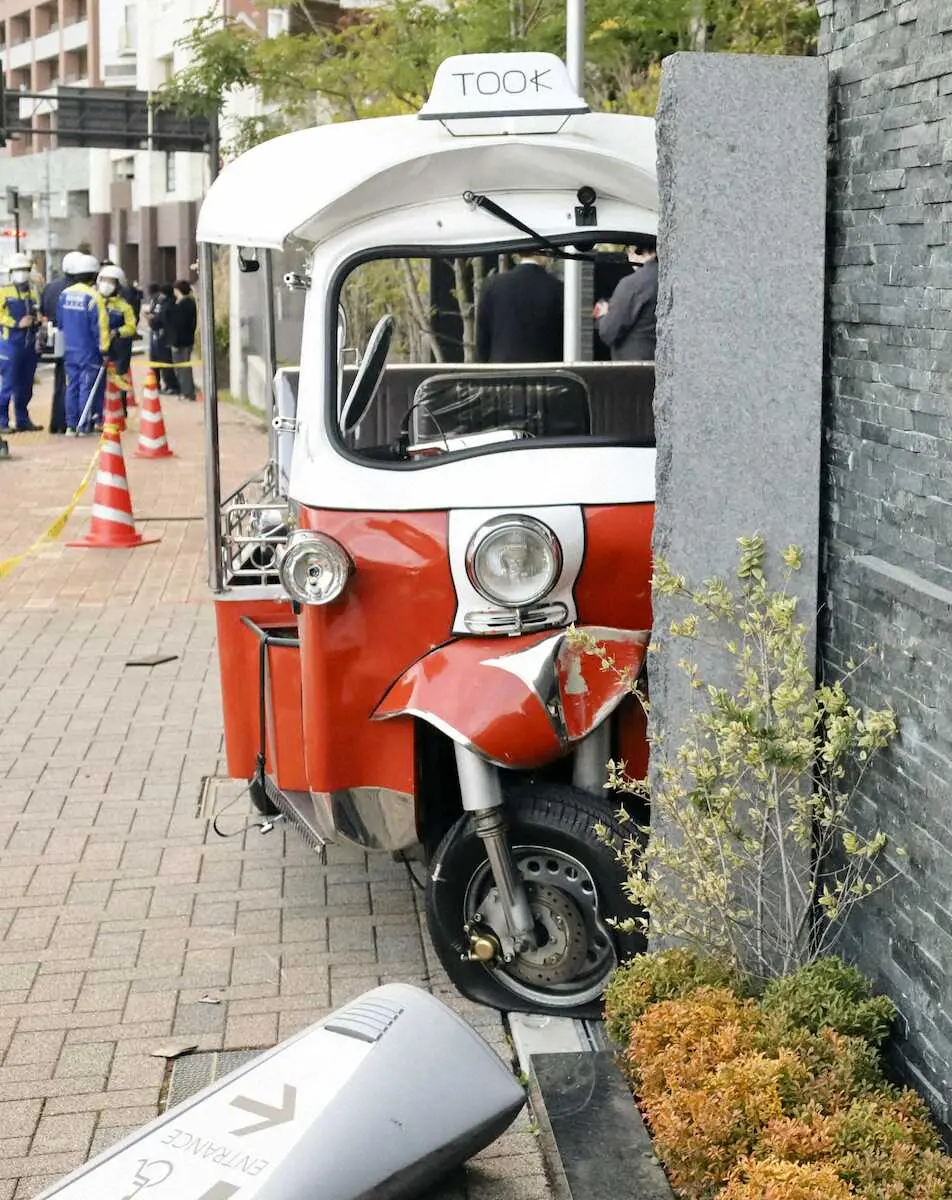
column 742, row 177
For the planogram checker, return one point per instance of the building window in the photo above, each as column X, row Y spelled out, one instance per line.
column 73, row 11
column 170, row 171
column 77, row 204
column 47, row 73
column 278, row 21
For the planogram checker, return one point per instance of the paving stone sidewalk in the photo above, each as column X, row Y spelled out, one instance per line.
column 121, row 910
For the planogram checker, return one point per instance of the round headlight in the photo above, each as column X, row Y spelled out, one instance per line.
column 514, row 561
column 314, row 569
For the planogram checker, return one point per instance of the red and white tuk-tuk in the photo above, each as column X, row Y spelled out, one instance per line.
column 396, row 590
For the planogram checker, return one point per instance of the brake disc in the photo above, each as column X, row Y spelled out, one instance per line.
column 563, row 954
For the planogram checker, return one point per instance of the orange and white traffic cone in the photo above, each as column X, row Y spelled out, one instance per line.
column 112, row 409
column 131, row 401
column 112, row 525
column 152, row 440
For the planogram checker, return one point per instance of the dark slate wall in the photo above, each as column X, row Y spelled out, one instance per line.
column 887, row 550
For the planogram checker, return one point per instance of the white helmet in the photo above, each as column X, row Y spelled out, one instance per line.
column 111, row 271
column 85, row 264
column 69, row 262
column 20, row 262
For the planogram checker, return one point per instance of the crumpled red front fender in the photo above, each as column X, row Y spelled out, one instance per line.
column 519, row 702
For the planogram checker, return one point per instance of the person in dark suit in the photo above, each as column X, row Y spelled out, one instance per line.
column 181, row 324
column 627, row 322
column 519, row 319
column 157, row 308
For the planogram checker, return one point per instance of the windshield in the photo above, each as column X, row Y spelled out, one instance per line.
column 463, row 355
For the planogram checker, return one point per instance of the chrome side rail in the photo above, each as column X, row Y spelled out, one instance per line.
column 253, row 525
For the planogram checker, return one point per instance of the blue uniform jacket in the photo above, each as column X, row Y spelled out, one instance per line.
column 81, row 314
column 16, row 303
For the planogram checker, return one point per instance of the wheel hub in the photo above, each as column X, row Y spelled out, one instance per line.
column 574, row 953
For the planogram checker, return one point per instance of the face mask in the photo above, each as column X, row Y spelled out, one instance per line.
column 107, row 288
column 20, row 276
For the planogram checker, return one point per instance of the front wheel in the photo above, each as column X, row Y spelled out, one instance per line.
column 574, row 885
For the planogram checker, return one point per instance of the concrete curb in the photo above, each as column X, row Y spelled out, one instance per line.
column 595, row 1144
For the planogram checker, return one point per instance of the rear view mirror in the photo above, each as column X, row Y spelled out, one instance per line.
column 368, row 378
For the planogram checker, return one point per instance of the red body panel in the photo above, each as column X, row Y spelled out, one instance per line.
column 397, row 609
column 519, row 709
column 614, row 587
column 238, row 650
column 398, row 605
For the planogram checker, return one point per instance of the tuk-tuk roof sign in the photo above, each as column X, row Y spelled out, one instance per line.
column 480, row 86
column 307, row 186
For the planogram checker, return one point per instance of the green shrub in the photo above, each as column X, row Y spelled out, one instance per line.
column 828, row 994
column 838, row 1069
column 649, row 978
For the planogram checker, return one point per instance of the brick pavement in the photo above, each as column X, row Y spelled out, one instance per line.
column 120, row 908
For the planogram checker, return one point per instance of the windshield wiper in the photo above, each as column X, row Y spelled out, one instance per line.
column 479, row 201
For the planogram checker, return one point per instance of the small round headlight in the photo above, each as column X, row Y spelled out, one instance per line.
column 314, row 569
column 514, row 560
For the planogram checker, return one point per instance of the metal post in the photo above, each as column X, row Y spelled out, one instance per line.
column 16, row 225
column 214, row 150
column 575, row 61
column 206, row 278
column 48, row 222
column 270, row 351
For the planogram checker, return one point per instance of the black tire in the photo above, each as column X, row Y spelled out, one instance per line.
column 545, row 816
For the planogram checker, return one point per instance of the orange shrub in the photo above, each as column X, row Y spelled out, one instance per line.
column 702, row 1132
column 664, row 975
column 772, row 1179
column 805, row 1139
column 677, row 1042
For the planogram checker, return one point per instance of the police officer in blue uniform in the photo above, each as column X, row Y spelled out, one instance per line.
column 19, row 322
column 49, row 298
column 81, row 315
column 122, row 327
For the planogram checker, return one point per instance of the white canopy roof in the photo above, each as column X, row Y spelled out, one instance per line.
column 308, row 185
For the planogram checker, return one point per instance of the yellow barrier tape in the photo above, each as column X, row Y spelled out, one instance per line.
column 56, row 527
column 195, row 362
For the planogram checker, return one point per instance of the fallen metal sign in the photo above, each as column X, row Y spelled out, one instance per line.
column 365, row 1103
column 204, row 1148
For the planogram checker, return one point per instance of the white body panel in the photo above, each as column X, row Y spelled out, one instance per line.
column 312, row 184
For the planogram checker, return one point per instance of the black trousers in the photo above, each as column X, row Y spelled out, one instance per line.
column 161, row 352
column 58, row 411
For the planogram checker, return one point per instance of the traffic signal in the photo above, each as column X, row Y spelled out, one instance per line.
column 13, row 201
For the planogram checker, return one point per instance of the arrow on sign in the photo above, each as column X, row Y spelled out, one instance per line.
column 220, row 1191
column 269, row 1114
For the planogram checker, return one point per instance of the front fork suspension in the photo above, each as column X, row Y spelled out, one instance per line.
column 481, row 792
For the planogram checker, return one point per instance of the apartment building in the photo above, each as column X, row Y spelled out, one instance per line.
column 136, row 207
column 44, row 43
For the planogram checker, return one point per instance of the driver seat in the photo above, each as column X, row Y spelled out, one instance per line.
column 547, row 403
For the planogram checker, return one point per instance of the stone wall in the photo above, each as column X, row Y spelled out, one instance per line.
column 888, row 480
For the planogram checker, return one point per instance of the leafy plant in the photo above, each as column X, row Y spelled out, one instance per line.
column 667, row 975
column 829, row 994
column 752, row 854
